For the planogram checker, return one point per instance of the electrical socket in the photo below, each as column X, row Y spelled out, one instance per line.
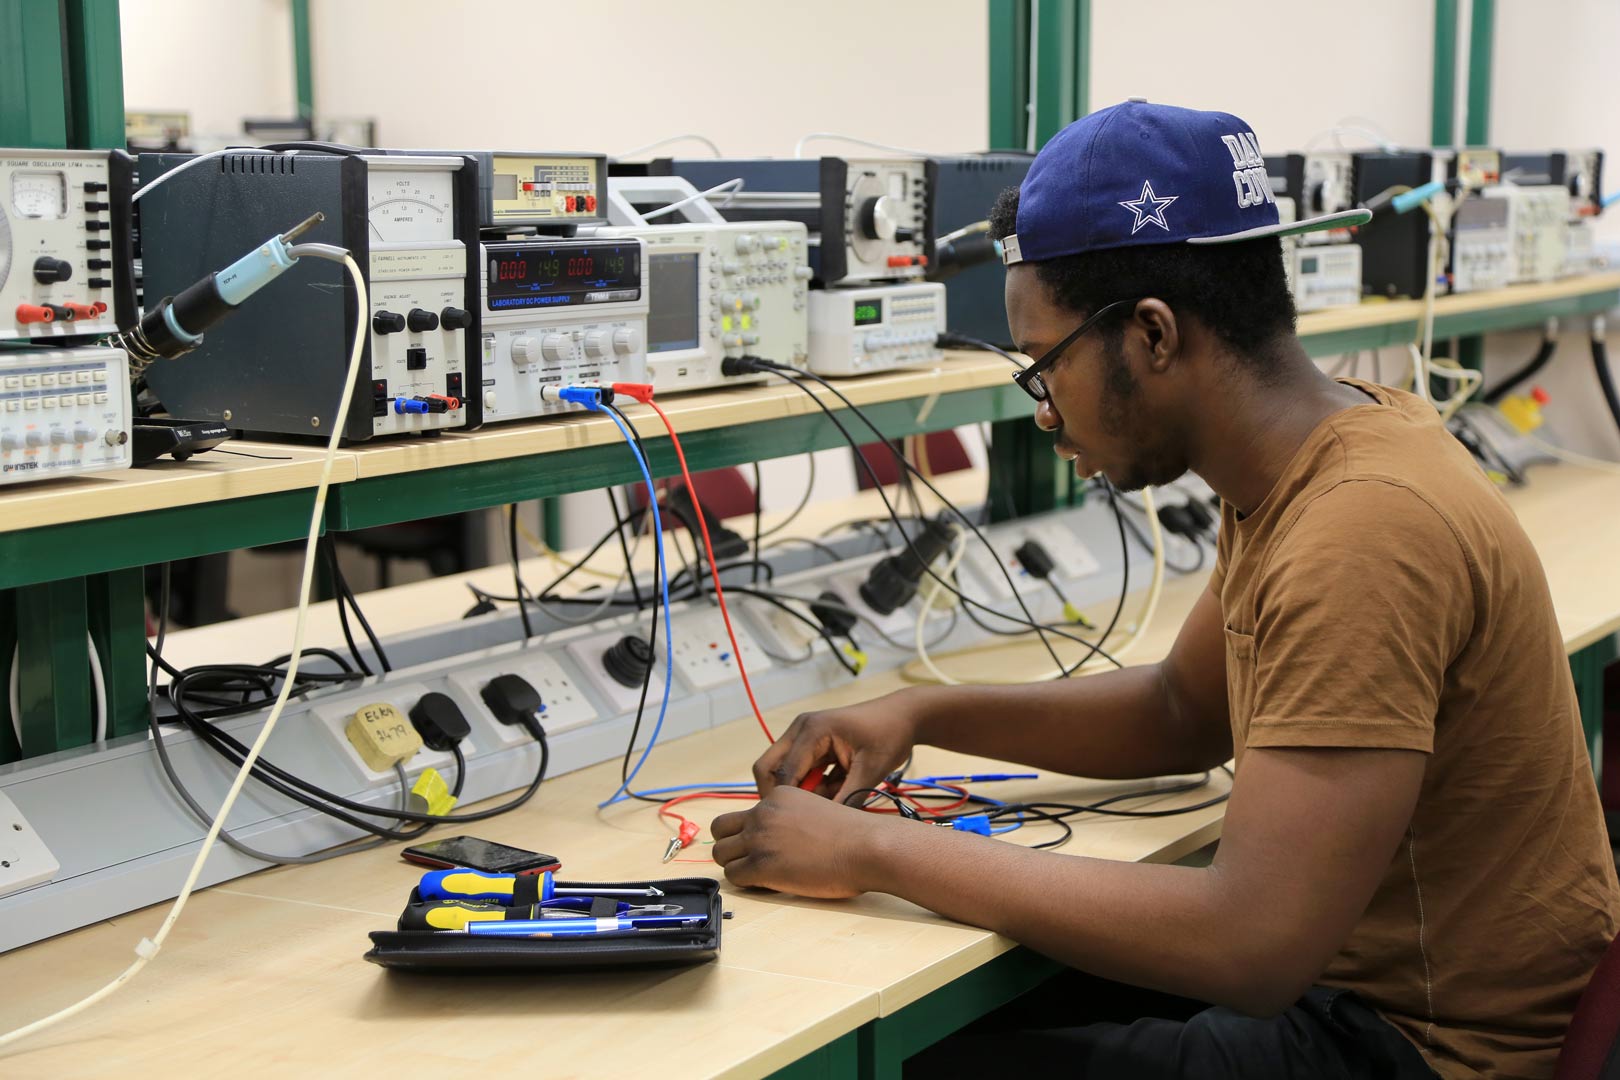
column 334, row 715
column 703, row 650
column 586, row 652
column 1071, row 559
column 562, row 706
column 24, row 858
column 775, row 627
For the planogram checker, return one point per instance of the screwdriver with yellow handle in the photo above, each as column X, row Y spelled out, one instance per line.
column 522, row 890
column 457, row 914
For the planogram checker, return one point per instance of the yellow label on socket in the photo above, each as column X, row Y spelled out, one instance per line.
column 382, row 736
column 725, row 322
column 747, row 322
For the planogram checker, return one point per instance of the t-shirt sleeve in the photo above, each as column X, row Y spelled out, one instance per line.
column 1363, row 606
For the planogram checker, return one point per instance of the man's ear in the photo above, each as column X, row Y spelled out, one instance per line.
column 1156, row 322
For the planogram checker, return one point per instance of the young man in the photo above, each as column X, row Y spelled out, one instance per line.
column 1414, row 874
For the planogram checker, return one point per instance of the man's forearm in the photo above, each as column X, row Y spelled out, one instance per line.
column 1116, row 725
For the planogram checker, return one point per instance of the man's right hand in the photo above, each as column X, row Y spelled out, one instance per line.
column 863, row 743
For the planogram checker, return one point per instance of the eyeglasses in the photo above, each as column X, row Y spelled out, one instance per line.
column 1033, row 378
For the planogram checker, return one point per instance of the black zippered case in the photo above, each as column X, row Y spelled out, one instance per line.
column 426, row 950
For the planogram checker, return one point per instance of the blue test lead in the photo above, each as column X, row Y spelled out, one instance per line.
column 591, row 398
column 975, row 778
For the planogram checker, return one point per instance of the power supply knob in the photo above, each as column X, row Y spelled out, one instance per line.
column 9, row 442
column 626, row 341
column 770, row 243
column 525, row 350
column 60, row 437
column 421, row 321
column 454, row 318
column 388, row 322
column 83, row 434
column 48, row 271
column 747, row 242
column 595, row 344
column 556, row 347
column 36, row 438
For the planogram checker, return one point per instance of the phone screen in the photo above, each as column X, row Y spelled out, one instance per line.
column 476, row 854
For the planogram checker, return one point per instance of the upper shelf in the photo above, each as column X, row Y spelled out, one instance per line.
column 82, row 525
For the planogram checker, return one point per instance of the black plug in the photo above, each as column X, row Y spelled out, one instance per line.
column 512, row 700
column 727, row 543
column 484, row 606
column 740, row 365
column 833, row 614
column 893, row 582
column 439, row 720
column 1035, row 559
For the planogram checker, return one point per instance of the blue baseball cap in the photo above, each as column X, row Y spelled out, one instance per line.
column 1138, row 174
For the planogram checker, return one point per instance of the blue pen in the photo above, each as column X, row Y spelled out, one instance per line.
column 975, row 778
column 546, row 928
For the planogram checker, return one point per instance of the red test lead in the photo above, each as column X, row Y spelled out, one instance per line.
column 643, row 393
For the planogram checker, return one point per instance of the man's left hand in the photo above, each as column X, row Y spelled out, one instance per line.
column 796, row 842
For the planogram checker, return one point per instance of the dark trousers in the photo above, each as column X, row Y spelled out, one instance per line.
column 1079, row 1026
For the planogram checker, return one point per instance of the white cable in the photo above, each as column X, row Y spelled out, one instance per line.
column 966, row 230
column 98, row 681
column 148, row 948
column 690, row 135
column 1569, row 455
column 1136, row 630
column 1156, row 586
column 729, row 187
column 1374, row 137
column 12, row 697
column 833, row 136
column 935, row 587
column 198, row 160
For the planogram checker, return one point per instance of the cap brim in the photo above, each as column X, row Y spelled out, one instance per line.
column 1344, row 219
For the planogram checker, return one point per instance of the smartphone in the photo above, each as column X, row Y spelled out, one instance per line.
column 476, row 854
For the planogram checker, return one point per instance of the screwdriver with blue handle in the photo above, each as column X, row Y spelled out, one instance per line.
column 522, row 890
column 456, row 914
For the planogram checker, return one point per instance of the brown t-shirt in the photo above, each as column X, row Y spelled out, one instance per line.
column 1383, row 595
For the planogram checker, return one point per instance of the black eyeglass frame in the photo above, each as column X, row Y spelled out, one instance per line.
column 1030, row 380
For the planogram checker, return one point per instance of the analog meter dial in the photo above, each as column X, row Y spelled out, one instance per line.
column 408, row 206
column 39, row 194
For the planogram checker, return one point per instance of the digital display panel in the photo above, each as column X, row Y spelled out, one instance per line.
column 868, row 312
column 672, row 317
column 557, row 274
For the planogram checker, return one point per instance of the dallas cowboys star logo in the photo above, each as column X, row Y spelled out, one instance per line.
column 1149, row 207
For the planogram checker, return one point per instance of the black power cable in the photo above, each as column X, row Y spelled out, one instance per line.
column 1544, row 353
column 517, row 573
column 794, row 376
column 1600, row 360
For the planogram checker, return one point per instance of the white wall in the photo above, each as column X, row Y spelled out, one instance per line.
column 219, row 60
column 1291, row 70
column 751, row 75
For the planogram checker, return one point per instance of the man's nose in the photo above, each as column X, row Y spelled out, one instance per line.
column 1046, row 417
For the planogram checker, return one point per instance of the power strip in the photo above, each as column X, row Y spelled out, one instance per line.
column 124, row 841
